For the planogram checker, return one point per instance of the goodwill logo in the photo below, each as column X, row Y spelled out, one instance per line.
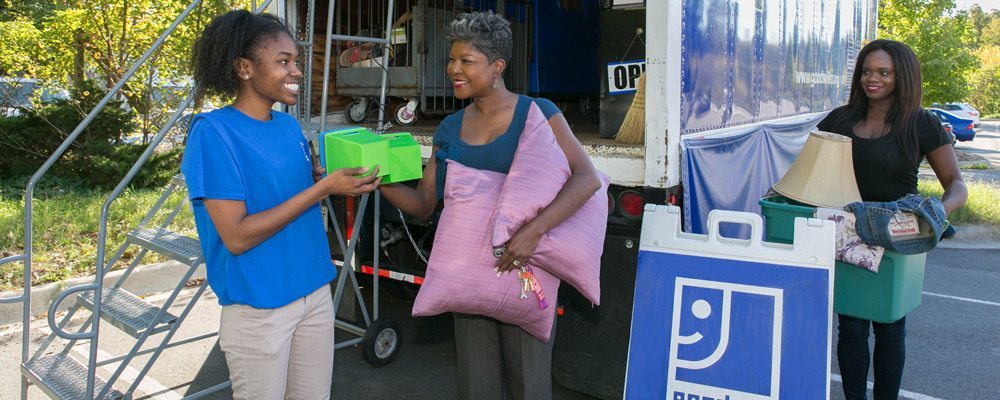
column 725, row 341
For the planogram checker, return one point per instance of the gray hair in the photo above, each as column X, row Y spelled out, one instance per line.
column 487, row 32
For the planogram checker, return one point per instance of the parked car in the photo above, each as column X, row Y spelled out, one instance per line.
column 963, row 110
column 963, row 128
column 948, row 129
column 16, row 95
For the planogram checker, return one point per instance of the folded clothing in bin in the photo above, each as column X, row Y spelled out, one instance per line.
column 892, row 224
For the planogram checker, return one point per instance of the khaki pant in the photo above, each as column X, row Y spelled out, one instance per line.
column 284, row 352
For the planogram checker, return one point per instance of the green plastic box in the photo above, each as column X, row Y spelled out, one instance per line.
column 356, row 147
column 404, row 158
column 883, row 297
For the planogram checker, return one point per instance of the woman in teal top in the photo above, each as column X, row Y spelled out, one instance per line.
column 495, row 359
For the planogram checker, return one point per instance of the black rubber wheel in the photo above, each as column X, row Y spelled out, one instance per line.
column 382, row 342
column 356, row 111
column 404, row 117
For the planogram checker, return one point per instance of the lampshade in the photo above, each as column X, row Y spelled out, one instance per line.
column 823, row 173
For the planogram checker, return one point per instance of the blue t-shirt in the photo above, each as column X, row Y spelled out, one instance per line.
column 494, row 156
column 230, row 156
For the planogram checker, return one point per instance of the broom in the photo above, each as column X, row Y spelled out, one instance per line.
column 633, row 128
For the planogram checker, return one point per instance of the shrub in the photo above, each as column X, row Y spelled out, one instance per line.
column 96, row 159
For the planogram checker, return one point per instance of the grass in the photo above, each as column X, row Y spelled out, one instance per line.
column 65, row 230
column 982, row 208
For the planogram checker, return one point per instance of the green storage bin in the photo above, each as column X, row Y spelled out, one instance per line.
column 404, row 158
column 356, row 147
column 779, row 218
column 883, row 297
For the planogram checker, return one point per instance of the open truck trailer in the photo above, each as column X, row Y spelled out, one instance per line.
column 732, row 89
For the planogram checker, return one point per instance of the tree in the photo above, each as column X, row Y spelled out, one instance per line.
column 986, row 95
column 939, row 39
column 980, row 20
column 991, row 33
column 101, row 39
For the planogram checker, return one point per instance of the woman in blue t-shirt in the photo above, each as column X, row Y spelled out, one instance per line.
column 495, row 358
column 255, row 188
column 890, row 134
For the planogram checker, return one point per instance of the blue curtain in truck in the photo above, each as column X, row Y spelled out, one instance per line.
column 735, row 171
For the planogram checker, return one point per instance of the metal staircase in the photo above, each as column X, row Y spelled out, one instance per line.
column 56, row 371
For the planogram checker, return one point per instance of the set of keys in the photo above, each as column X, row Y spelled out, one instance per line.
column 525, row 276
column 529, row 283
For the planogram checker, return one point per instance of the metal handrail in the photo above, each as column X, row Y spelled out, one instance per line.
column 56, row 329
column 8, row 260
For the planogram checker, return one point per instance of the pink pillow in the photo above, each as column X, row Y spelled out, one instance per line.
column 571, row 251
column 460, row 274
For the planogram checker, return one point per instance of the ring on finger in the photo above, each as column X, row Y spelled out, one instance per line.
column 517, row 263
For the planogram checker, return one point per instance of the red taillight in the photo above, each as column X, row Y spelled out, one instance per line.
column 672, row 199
column 970, row 126
column 630, row 203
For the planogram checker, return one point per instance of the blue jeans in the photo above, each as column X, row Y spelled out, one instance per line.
column 873, row 223
column 853, row 356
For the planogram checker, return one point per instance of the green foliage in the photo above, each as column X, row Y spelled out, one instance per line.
column 939, row 39
column 103, row 39
column 991, row 33
column 18, row 34
column 65, row 231
column 94, row 159
column 986, row 96
column 982, row 207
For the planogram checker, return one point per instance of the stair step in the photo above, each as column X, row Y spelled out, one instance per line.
column 63, row 377
column 127, row 311
column 168, row 243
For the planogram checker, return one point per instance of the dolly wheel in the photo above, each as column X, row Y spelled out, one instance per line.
column 382, row 342
column 405, row 116
column 356, row 111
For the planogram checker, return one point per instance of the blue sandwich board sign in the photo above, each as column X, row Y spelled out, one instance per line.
column 716, row 318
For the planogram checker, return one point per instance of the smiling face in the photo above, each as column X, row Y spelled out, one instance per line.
column 471, row 72
column 878, row 76
column 272, row 76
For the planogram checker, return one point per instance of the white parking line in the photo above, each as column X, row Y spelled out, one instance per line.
column 903, row 394
column 989, row 303
column 149, row 386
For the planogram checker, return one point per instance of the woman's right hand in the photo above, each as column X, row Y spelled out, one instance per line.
column 350, row 182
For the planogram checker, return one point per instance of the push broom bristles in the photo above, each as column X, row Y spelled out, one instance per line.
column 633, row 128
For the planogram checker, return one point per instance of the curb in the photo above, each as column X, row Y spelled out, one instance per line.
column 979, row 237
column 144, row 280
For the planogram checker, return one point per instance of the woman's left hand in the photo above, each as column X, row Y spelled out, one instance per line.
column 519, row 249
